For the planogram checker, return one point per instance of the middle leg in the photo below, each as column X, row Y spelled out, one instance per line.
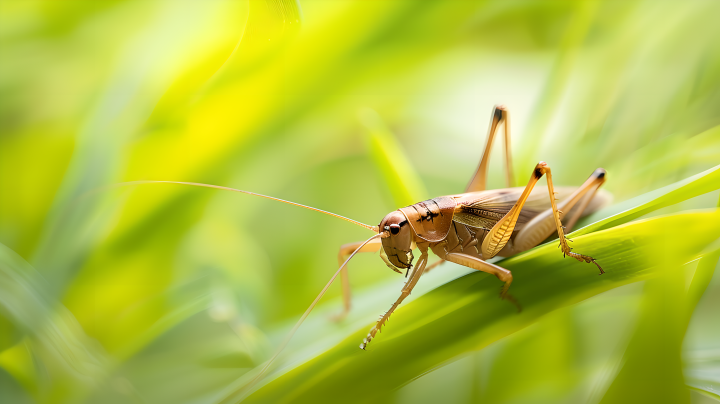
column 476, row 263
column 433, row 266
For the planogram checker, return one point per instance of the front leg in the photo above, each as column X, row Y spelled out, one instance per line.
column 345, row 251
column 409, row 285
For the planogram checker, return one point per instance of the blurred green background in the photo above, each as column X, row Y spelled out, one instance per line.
column 163, row 293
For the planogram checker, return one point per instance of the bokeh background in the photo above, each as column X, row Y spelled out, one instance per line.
column 162, row 293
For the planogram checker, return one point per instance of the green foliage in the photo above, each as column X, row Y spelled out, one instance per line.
column 163, row 293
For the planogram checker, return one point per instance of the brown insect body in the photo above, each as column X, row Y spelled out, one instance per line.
column 459, row 223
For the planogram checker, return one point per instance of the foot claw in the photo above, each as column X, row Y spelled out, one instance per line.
column 512, row 300
column 504, row 295
column 599, row 267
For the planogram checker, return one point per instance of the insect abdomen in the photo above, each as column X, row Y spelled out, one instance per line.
column 461, row 239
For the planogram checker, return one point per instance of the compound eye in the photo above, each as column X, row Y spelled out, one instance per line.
column 394, row 228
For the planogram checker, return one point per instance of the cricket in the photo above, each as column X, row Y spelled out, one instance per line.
column 468, row 228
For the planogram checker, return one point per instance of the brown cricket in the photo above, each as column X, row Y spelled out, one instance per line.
column 467, row 229
column 472, row 227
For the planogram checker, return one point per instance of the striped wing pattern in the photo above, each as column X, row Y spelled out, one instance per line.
column 485, row 209
column 489, row 207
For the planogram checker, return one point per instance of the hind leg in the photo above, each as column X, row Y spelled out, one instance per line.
column 499, row 118
column 543, row 225
column 498, row 237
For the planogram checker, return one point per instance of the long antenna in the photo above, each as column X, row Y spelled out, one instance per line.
column 197, row 184
column 304, row 316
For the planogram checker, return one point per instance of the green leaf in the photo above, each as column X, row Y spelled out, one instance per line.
column 699, row 184
column 466, row 314
column 56, row 337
